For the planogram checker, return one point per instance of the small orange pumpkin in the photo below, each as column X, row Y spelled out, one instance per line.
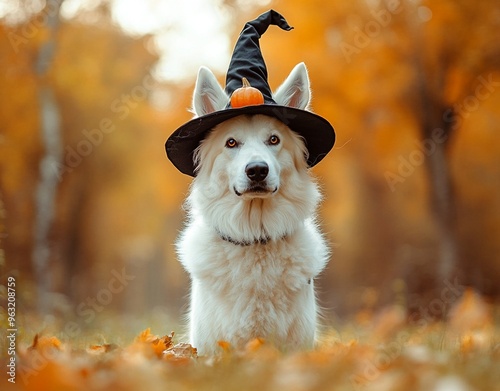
column 246, row 95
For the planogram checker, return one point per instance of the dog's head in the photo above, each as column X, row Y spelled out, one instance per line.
column 250, row 156
column 252, row 178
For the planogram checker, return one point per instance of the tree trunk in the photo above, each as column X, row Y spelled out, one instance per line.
column 436, row 130
column 50, row 133
column 443, row 209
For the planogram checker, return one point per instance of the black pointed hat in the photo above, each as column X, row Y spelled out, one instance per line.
column 247, row 62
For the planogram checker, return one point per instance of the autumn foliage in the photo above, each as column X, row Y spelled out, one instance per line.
column 385, row 351
column 411, row 187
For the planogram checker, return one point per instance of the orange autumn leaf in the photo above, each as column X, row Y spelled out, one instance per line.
column 180, row 353
column 153, row 343
column 163, row 343
column 145, row 336
column 224, row 345
column 260, row 349
column 42, row 344
column 254, row 345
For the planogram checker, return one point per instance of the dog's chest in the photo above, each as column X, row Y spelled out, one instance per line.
column 258, row 271
column 261, row 290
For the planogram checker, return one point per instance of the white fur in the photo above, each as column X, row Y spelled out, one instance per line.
column 208, row 94
column 259, row 290
column 295, row 91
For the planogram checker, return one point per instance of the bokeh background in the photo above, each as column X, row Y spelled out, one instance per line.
column 90, row 89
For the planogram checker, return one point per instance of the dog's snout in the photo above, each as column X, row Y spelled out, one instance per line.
column 257, row 171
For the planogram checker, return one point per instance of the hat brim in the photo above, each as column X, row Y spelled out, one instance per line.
column 317, row 132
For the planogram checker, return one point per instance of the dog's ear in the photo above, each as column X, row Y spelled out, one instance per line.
column 208, row 94
column 295, row 91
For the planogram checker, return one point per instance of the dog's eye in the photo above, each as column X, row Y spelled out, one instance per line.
column 231, row 143
column 274, row 140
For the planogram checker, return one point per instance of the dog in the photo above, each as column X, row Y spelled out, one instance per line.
column 251, row 245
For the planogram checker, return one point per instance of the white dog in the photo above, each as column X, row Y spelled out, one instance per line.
column 251, row 245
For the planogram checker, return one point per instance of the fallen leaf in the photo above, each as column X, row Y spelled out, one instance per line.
column 43, row 344
column 224, row 345
column 254, row 345
column 148, row 343
column 181, row 352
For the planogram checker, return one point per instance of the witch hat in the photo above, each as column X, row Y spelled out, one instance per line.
column 247, row 62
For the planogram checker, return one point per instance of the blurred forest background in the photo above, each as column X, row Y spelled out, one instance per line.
column 90, row 206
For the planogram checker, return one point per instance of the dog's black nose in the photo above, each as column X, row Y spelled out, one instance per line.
column 257, row 171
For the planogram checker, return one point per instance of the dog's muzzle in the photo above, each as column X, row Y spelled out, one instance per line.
column 257, row 173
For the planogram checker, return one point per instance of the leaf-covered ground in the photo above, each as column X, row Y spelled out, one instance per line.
column 388, row 350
